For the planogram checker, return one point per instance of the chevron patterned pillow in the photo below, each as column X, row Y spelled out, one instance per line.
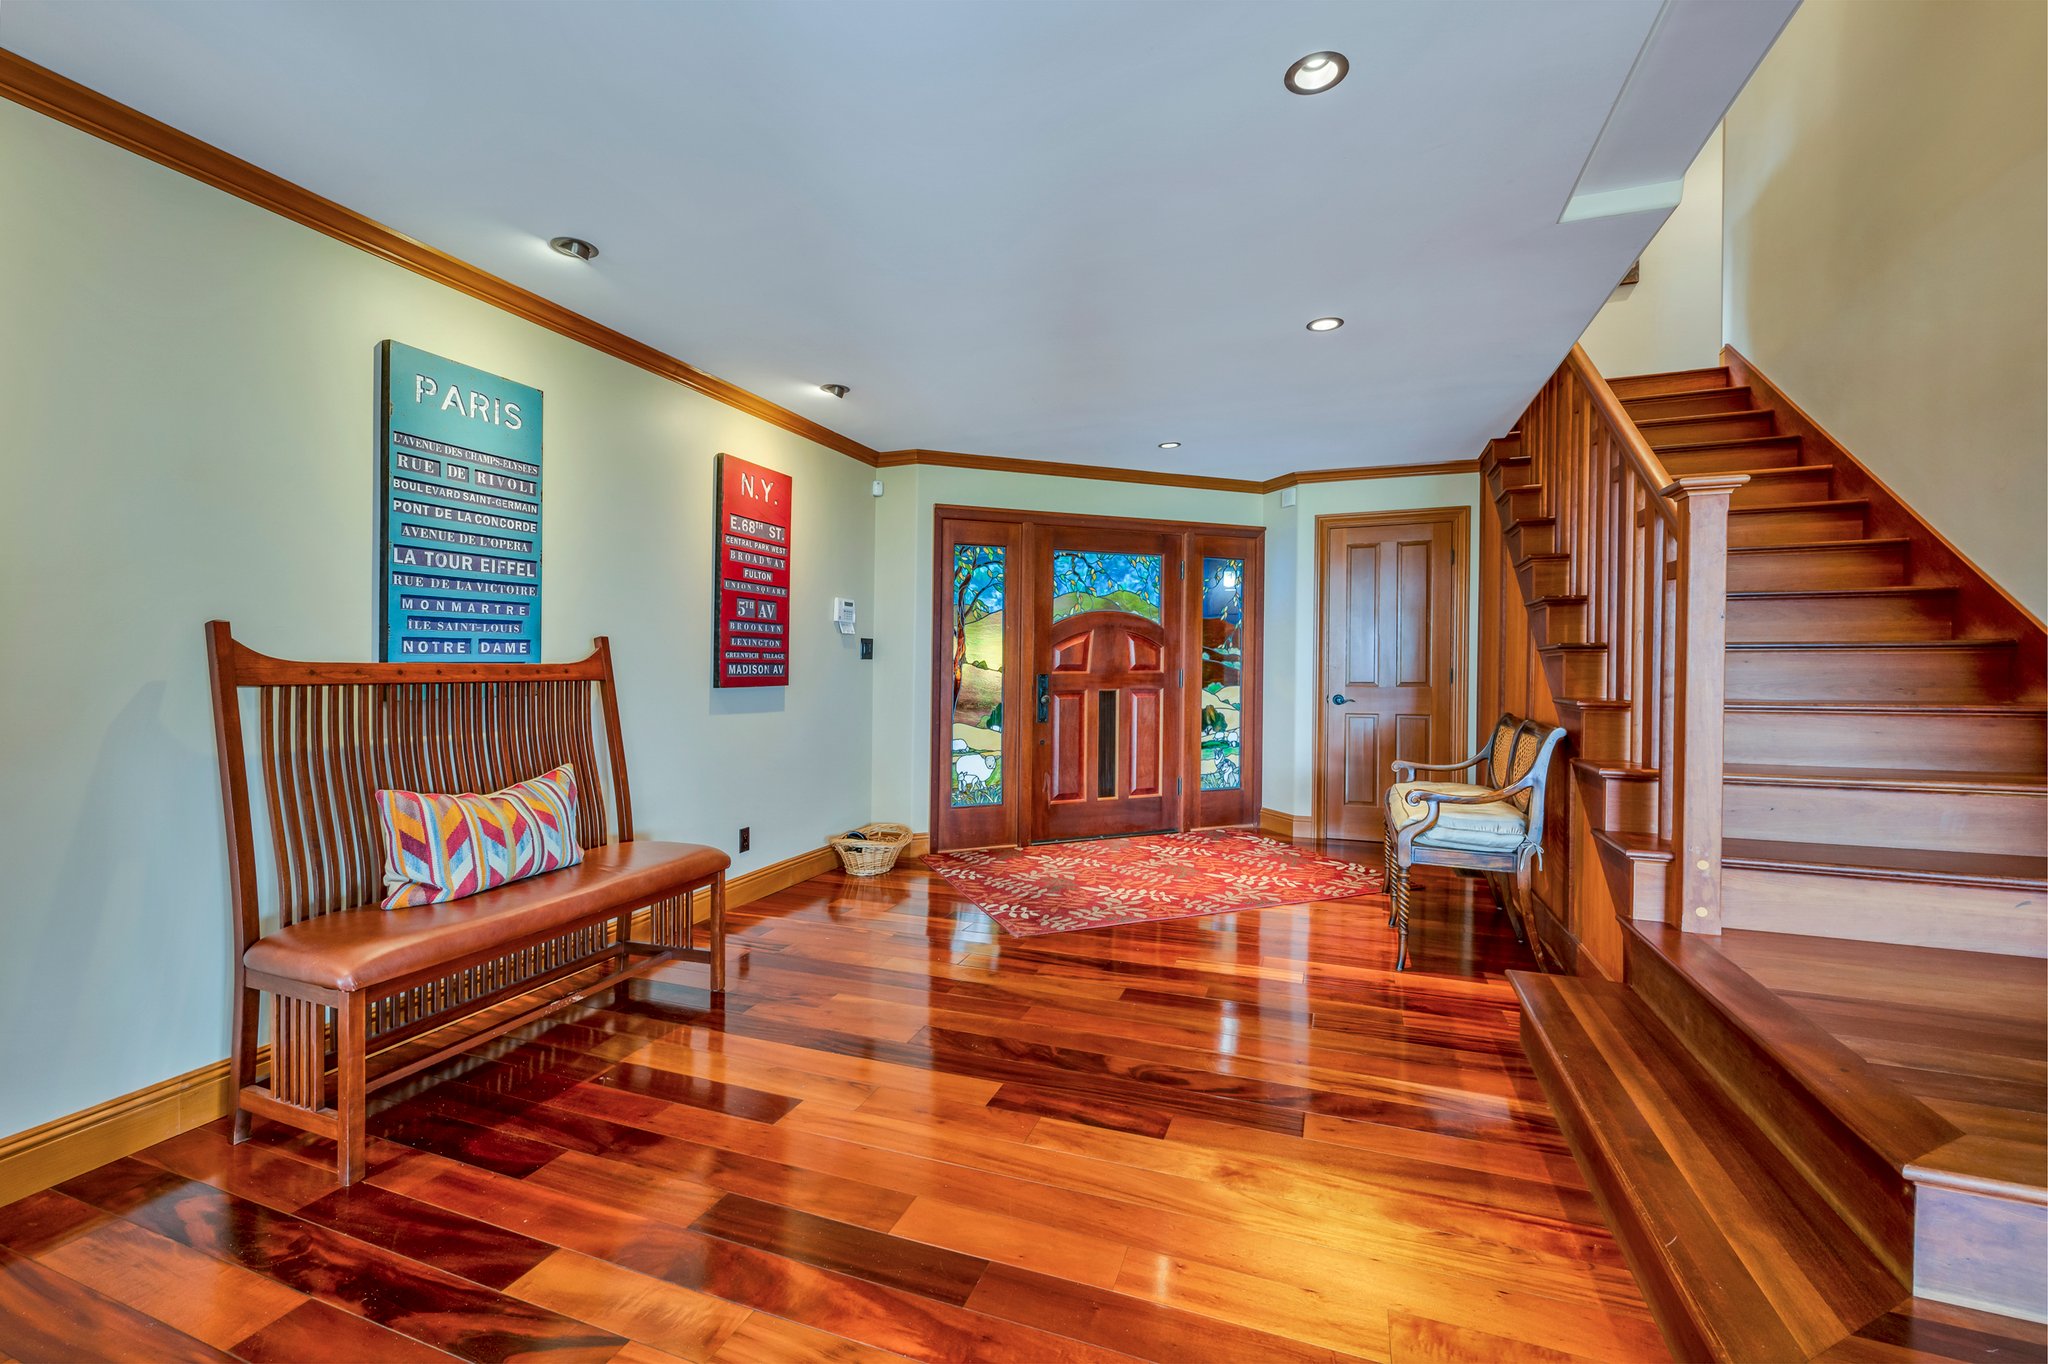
column 445, row 847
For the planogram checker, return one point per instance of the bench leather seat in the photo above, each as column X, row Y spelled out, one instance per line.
column 352, row 949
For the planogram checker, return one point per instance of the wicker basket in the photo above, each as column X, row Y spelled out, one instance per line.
column 875, row 853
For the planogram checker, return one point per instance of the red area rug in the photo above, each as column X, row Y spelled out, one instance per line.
column 1059, row 887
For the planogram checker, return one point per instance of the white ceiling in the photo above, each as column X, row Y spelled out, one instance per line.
column 1038, row 229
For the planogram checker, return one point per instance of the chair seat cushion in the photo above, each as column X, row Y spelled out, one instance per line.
column 1493, row 826
column 353, row 949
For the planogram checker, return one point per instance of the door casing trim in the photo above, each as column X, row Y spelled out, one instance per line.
column 1252, row 720
column 1460, row 521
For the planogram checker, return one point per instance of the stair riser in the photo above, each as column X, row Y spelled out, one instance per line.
column 1704, row 428
column 1544, row 577
column 1840, row 619
column 1783, row 454
column 1771, row 526
column 1808, row 483
column 1967, row 918
column 1514, row 473
column 1576, row 672
column 1620, row 804
column 1960, row 673
column 1882, row 565
column 1602, row 730
column 1531, row 537
column 1953, row 821
column 1979, row 1251
column 1520, row 502
column 1679, row 381
column 1819, row 1151
column 1692, row 404
column 2014, row 742
column 1560, row 622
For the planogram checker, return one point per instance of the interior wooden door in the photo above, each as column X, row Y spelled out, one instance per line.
column 1392, row 619
column 1107, row 682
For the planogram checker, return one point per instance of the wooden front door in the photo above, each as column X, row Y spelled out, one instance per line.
column 1107, row 675
column 1392, row 620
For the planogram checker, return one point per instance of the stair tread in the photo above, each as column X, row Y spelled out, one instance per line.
column 1708, row 392
column 1979, row 642
column 1924, row 1328
column 1898, row 707
column 1766, row 508
column 1910, row 864
column 1955, row 1029
column 1732, row 443
column 1734, row 414
column 1760, row 1270
column 1887, row 1119
column 1894, row 590
column 1861, row 541
column 2023, row 783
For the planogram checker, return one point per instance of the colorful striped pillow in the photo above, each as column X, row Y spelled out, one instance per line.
column 445, row 847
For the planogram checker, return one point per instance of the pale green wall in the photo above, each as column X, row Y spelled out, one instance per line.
column 1887, row 203
column 187, row 388
column 1672, row 318
column 186, row 383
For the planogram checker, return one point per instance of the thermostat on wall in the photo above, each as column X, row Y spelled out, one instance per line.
column 842, row 614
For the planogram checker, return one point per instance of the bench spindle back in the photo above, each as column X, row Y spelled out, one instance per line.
column 330, row 735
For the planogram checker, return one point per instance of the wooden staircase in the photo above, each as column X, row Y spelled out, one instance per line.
column 1876, row 774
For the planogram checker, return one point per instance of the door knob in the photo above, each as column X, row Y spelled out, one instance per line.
column 1340, row 700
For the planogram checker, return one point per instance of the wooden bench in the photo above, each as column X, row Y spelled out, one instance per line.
column 348, row 978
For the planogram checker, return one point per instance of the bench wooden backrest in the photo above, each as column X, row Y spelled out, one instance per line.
column 331, row 734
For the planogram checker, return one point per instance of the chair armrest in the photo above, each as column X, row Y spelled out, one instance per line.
column 1476, row 798
column 1403, row 770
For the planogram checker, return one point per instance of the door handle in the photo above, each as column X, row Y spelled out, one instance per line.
column 1340, row 700
column 1044, row 697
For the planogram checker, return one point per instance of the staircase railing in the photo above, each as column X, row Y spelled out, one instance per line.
column 1649, row 554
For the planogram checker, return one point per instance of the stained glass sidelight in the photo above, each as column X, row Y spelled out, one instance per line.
column 1222, row 656
column 977, row 758
column 1086, row 581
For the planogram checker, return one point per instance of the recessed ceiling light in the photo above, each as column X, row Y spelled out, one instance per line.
column 1326, row 324
column 836, row 390
column 1316, row 72
column 1169, row 445
column 574, row 246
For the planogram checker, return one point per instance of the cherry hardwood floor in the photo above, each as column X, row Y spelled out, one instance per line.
column 1239, row 1138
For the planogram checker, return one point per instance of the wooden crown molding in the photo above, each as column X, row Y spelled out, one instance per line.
column 953, row 459
column 38, row 88
column 58, row 97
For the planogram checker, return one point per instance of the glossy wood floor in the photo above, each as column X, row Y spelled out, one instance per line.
column 1240, row 1138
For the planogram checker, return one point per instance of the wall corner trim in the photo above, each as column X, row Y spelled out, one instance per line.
column 54, row 96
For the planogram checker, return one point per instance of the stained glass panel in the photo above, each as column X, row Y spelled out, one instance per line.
column 1222, row 656
column 1086, row 581
column 977, row 758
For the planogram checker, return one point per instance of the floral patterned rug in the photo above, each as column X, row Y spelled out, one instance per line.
column 1060, row 887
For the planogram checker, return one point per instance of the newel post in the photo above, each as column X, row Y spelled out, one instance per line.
column 1699, row 688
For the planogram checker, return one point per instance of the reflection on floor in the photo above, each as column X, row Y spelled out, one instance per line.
column 1236, row 1138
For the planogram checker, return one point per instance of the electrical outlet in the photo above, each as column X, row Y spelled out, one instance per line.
column 746, row 837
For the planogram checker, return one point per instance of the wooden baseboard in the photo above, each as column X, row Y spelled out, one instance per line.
column 80, row 1141
column 1280, row 824
column 71, row 1145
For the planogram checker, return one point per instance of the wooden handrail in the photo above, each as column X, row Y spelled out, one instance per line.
column 1639, row 561
column 1634, row 448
